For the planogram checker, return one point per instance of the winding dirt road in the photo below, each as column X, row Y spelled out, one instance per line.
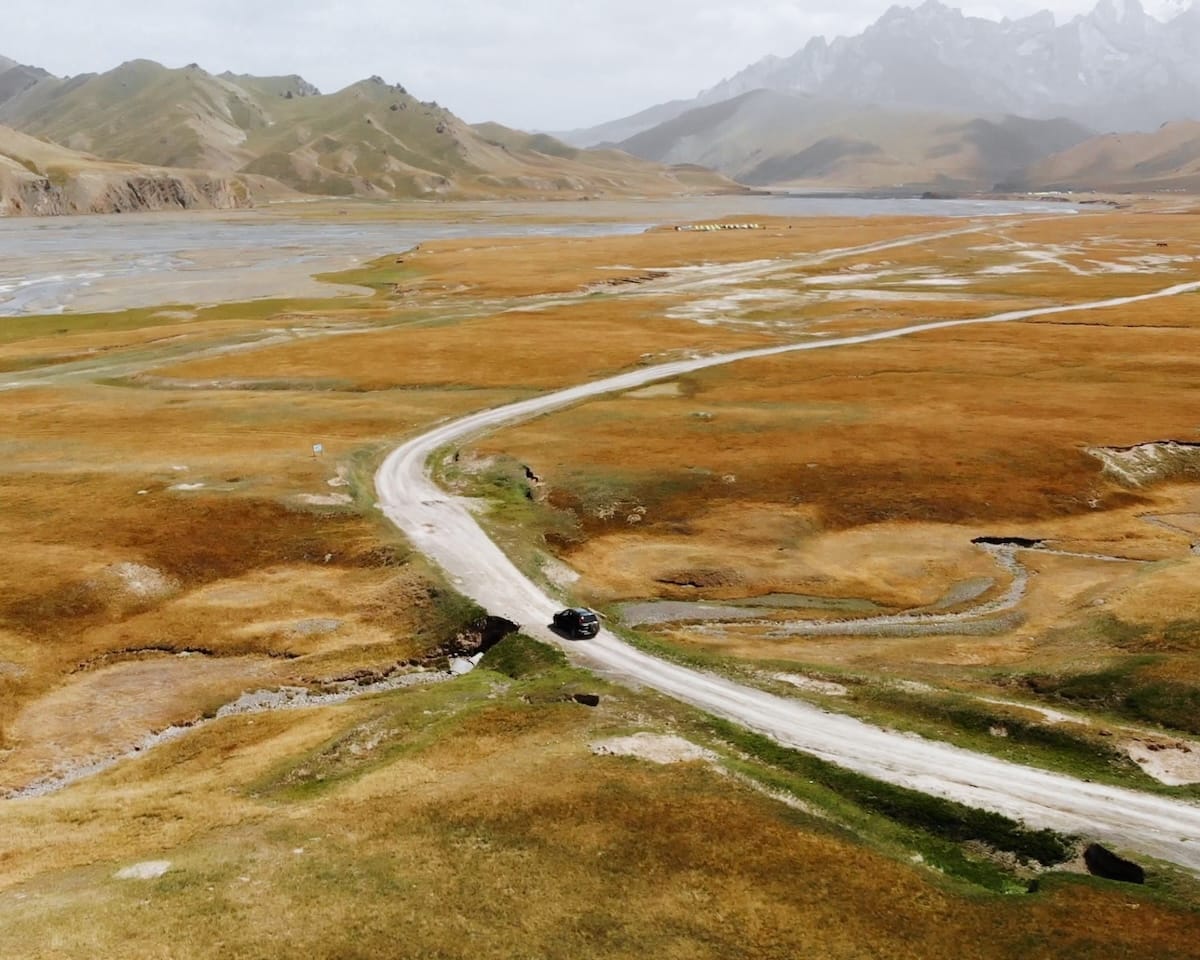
column 444, row 528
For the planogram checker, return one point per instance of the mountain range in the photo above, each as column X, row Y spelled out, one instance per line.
column 766, row 138
column 273, row 134
column 928, row 98
column 1113, row 69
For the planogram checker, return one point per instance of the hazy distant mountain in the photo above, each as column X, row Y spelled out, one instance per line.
column 43, row 178
column 16, row 78
column 371, row 139
column 768, row 138
column 1167, row 159
column 618, row 130
column 1115, row 68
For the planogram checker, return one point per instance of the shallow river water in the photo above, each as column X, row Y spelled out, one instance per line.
column 98, row 263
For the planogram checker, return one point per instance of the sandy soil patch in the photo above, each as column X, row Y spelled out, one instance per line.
column 812, row 685
column 557, row 572
column 324, row 499
column 141, row 582
column 1175, row 763
column 1147, row 462
column 147, row 870
column 1046, row 713
column 657, row 748
column 111, row 709
column 672, row 389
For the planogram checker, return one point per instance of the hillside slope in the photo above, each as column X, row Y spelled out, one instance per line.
column 371, row 139
column 40, row 178
column 1167, row 159
column 765, row 138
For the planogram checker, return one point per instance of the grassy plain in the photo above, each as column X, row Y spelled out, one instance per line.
column 472, row 819
column 172, row 543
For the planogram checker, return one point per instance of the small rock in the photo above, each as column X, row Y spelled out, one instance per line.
column 1102, row 862
column 587, row 699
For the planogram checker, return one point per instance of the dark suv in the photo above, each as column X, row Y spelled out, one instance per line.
column 577, row 622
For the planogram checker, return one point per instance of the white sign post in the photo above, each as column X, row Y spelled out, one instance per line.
column 318, row 449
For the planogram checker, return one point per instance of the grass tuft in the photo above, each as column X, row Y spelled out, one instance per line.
column 521, row 657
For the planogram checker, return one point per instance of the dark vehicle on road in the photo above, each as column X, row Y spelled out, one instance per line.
column 577, row 622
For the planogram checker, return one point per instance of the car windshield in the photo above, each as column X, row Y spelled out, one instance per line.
column 587, row 617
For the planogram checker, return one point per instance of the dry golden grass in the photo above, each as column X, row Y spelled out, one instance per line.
column 534, row 268
column 243, row 559
column 502, row 837
column 748, row 480
column 975, row 426
column 487, row 829
column 542, row 348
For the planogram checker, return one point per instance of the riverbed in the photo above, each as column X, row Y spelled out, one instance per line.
column 116, row 262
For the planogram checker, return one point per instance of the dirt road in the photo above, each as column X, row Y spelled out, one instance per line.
column 445, row 530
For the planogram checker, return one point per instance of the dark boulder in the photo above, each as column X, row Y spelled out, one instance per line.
column 587, row 699
column 1104, row 863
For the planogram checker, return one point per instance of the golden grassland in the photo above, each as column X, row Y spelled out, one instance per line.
column 171, row 543
column 473, row 820
column 867, row 472
column 609, row 338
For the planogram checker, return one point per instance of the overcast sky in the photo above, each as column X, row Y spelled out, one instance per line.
column 536, row 64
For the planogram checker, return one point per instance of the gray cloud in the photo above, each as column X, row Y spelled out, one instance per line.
column 547, row 64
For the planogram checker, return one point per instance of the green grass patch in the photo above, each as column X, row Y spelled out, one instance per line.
column 521, row 657
column 516, row 515
column 1126, row 691
column 15, row 329
column 1000, row 731
column 944, row 819
column 380, row 275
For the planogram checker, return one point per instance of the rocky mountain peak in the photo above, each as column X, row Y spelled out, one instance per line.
column 1125, row 13
column 1116, row 67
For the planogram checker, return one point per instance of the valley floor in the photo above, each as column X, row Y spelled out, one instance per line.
column 981, row 534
